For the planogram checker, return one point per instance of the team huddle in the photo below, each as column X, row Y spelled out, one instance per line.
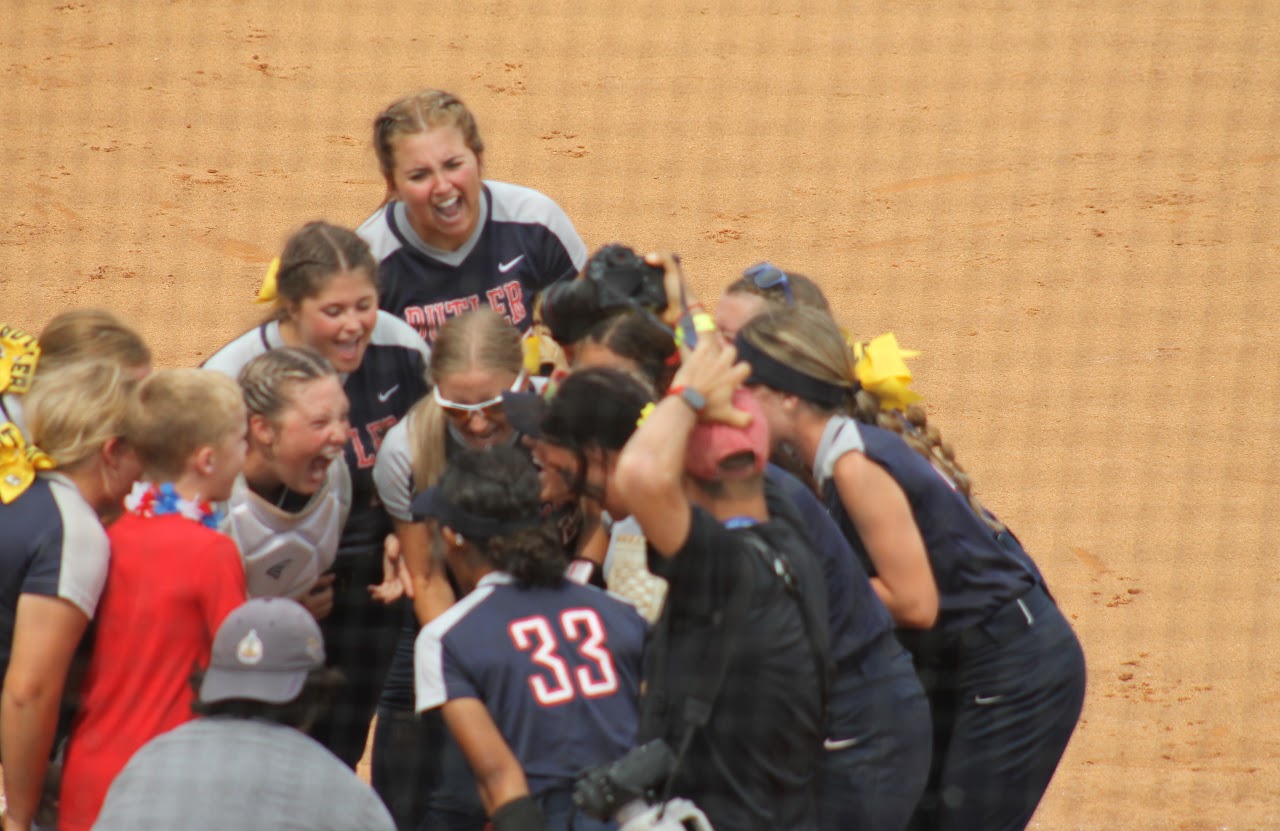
column 583, row 554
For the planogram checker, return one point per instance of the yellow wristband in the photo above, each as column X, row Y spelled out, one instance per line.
column 703, row 323
column 644, row 413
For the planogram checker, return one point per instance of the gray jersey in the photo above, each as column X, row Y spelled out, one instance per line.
column 214, row 774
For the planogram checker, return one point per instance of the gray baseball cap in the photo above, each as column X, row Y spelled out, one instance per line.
column 263, row 652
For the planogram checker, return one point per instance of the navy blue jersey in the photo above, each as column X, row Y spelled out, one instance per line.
column 51, row 544
column 391, row 377
column 557, row 668
column 855, row 615
column 976, row 574
column 522, row 244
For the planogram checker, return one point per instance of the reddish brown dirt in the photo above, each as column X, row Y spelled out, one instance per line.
column 1069, row 207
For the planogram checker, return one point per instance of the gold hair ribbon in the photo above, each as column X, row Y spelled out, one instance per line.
column 18, row 462
column 267, row 294
column 882, row 370
column 18, row 355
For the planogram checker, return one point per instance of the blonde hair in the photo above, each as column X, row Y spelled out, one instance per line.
column 178, row 411
column 478, row 339
column 269, row 381
column 419, row 112
column 82, row 334
column 77, row 408
column 810, row 342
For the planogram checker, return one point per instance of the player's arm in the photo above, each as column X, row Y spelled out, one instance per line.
column 429, row 587
column 882, row 516
column 650, row 468
column 499, row 777
column 46, row 633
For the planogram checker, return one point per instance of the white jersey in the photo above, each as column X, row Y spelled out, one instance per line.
column 285, row 552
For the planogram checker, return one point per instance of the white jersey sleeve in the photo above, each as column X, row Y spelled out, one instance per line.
column 230, row 359
column 393, row 471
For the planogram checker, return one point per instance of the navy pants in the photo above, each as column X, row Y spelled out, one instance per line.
column 360, row 637
column 1005, row 699
column 875, row 760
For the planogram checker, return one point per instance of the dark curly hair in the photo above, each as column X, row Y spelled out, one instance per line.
column 502, row 484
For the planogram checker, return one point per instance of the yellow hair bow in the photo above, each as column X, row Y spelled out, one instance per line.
column 882, row 370
column 18, row 355
column 267, row 294
column 18, row 462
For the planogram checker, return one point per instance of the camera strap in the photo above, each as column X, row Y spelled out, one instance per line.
column 728, row 624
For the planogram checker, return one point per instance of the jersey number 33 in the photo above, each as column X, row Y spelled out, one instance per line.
column 584, row 633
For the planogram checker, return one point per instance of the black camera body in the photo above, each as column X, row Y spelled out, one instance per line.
column 602, row 791
column 616, row 278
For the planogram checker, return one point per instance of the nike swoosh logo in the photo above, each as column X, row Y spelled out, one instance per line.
column 383, row 396
column 987, row 700
column 507, row 266
column 838, row 744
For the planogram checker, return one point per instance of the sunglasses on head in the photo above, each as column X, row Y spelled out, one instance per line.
column 767, row 276
column 461, row 413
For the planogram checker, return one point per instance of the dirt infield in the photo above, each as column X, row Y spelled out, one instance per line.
column 1068, row 207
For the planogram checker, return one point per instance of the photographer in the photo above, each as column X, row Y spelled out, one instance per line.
column 538, row 677
column 737, row 673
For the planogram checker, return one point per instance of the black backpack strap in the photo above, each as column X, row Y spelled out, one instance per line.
column 780, row 564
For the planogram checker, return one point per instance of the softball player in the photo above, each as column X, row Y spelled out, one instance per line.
column 76, row 335
column 325, row 291
column 288, row 507
column 54, row 554
column 446, row 239
column 538, row 677
column 475, row 359
column 1002, row 668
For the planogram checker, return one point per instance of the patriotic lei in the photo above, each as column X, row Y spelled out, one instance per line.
column 149, row 499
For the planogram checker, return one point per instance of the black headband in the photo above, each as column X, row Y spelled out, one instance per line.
column 433, row 504
column 774, row 373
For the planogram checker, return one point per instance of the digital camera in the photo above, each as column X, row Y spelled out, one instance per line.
column 616, row 278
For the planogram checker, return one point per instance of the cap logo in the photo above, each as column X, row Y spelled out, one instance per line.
column 314, row 650
column 249, row 650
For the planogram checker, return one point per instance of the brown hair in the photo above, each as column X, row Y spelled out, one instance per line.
column 478, row 339
column 633, row 336
column 811, row 342
column 77, row 407
column 90, row 333
column 178, row 411
column 315, row 253
column 417, row 113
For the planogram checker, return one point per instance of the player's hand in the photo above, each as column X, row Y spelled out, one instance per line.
column 673, row 284
column 714, row 371
column 319, row 598
column 394, row 574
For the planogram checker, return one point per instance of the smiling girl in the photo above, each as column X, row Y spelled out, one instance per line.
column 326, row 298
column 288, row 507
column 447, row 239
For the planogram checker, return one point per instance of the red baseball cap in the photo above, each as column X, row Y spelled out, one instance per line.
column 710, row 444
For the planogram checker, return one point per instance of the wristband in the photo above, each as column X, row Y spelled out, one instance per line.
column 691, row 325
column 521, row 814
column 696, row 400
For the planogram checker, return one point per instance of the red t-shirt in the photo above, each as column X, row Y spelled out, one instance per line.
column 170, row 583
